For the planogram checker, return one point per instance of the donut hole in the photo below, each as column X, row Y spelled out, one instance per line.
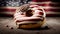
column 29, row 13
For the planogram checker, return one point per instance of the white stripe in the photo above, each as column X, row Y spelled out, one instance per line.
column 42, row 6
column 27, row 18
column 49, row 7
column 10, row 7
column 47, row 2
column 46, row 7
column 25, row 22
column 51, row 12
column 7, row 13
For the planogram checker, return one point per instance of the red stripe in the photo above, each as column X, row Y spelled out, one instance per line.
column 53, row 5
column 53, row 15
column 30, row 20
column 54, row 10
column 6, row 10
column 6, row 15
column 41, row 13
column 49, row 15
column 13, row 10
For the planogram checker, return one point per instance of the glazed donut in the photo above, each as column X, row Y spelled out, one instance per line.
column 29, row 16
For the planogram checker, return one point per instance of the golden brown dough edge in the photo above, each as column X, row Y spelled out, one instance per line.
column 28, row 26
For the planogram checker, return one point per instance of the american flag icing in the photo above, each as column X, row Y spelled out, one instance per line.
column 38, row 15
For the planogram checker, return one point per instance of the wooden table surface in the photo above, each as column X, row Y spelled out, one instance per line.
column 53, row 24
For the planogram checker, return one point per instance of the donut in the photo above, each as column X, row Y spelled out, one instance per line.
column 31, row 17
